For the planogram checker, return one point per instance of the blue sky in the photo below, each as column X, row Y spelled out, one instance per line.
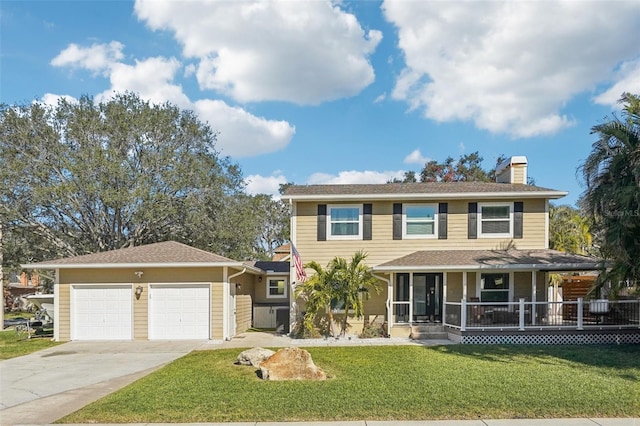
column 344, row 92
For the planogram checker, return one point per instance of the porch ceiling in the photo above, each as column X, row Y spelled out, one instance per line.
column 468, row 260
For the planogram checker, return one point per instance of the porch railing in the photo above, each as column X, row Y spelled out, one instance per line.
column 524, row 315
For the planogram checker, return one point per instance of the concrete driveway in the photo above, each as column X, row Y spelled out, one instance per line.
column 41, row 387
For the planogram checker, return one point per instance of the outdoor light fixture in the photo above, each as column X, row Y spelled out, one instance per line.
column 138, row 291
column 138, row 274
column 238, row 286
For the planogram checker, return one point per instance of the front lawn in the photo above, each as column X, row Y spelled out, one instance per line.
column 12, row 346
column 387, row 382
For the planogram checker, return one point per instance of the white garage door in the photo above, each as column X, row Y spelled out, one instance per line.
column 101, row 312
column 179, row 312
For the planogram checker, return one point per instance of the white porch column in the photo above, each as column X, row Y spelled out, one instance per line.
column 444, row 298
column 56, row 305
column 464, row 285
column 225, row 304
column 410, row 298
column 534, row 291
column 390, row 298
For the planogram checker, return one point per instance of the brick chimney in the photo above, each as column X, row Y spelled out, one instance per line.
column 512, row 170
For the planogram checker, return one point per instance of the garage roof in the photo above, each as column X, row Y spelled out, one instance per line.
column 168, row 254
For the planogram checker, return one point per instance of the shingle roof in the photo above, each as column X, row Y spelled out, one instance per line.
column 157, row 254
column 426, row 189
column 491, row 259
column 273, row 266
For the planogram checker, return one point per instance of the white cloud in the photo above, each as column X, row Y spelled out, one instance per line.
column 151, row 78
column 257, row 184
column 380, row 98
column 52, row 99
column 628, row 81
column 416, row 157
column 509, row 67
column 241, row 134
column 97, row 58
column 354, row 176
column 300, row 52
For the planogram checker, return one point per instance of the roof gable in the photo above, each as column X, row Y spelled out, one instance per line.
column 168, row 253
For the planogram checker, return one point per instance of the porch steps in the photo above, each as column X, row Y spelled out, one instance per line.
column 428, row 332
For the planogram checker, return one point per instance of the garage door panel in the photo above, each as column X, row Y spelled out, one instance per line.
column 101, row 312
column 180, row 311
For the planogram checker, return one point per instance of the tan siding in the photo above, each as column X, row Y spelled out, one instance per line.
column 471, row 285
column 243, row 312
column 541, row 286
column 141, row 313
column 150, row 275
column 382, row 248
column 217, row 300
column 64, row 317
column 376, row 304
column 521, row 286
column 261, row 291
column 141, row 306
column 454, row 287
column 518, row 174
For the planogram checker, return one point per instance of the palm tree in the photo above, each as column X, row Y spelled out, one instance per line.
column 569, row 230
column 354, row 280
column 317, row 293
column 341, row 282
column 612, row 196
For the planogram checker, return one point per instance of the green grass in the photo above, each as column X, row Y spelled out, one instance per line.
column 11, row 346
column 381, row 383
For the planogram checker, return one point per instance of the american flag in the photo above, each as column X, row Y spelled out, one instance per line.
column 301, row 275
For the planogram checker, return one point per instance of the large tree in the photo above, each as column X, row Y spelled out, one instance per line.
column 569, row 230
column 612, row 196
column 82, row 177
column 272, row 224
column 467, row 168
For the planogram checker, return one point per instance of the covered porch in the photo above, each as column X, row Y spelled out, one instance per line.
column 471, row 293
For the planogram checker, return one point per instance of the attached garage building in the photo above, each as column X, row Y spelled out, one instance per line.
column 162, row 291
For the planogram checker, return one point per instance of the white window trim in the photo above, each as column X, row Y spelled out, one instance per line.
column 330, row 236
column 479, row 282
column 268, row 280
column 490, row 235
column 422, row 236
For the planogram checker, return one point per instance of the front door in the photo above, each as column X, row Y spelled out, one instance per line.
column 427, row 297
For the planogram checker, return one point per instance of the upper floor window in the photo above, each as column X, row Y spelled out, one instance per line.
column 276, row 288
column 495, row 219
column 419, row 220
column 345, row 222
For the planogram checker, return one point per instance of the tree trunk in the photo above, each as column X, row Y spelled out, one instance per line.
column 343, row 332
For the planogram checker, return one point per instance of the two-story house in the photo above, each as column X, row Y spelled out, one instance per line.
column 465, row 258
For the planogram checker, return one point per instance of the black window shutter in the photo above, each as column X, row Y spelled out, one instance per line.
column 397, row 221
column 443, row 209
column 322, row 222
column 518, row 213
column 473, row 221
column 367, row 213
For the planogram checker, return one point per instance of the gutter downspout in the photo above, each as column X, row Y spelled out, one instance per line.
column 237, row 274
column 388, row 301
